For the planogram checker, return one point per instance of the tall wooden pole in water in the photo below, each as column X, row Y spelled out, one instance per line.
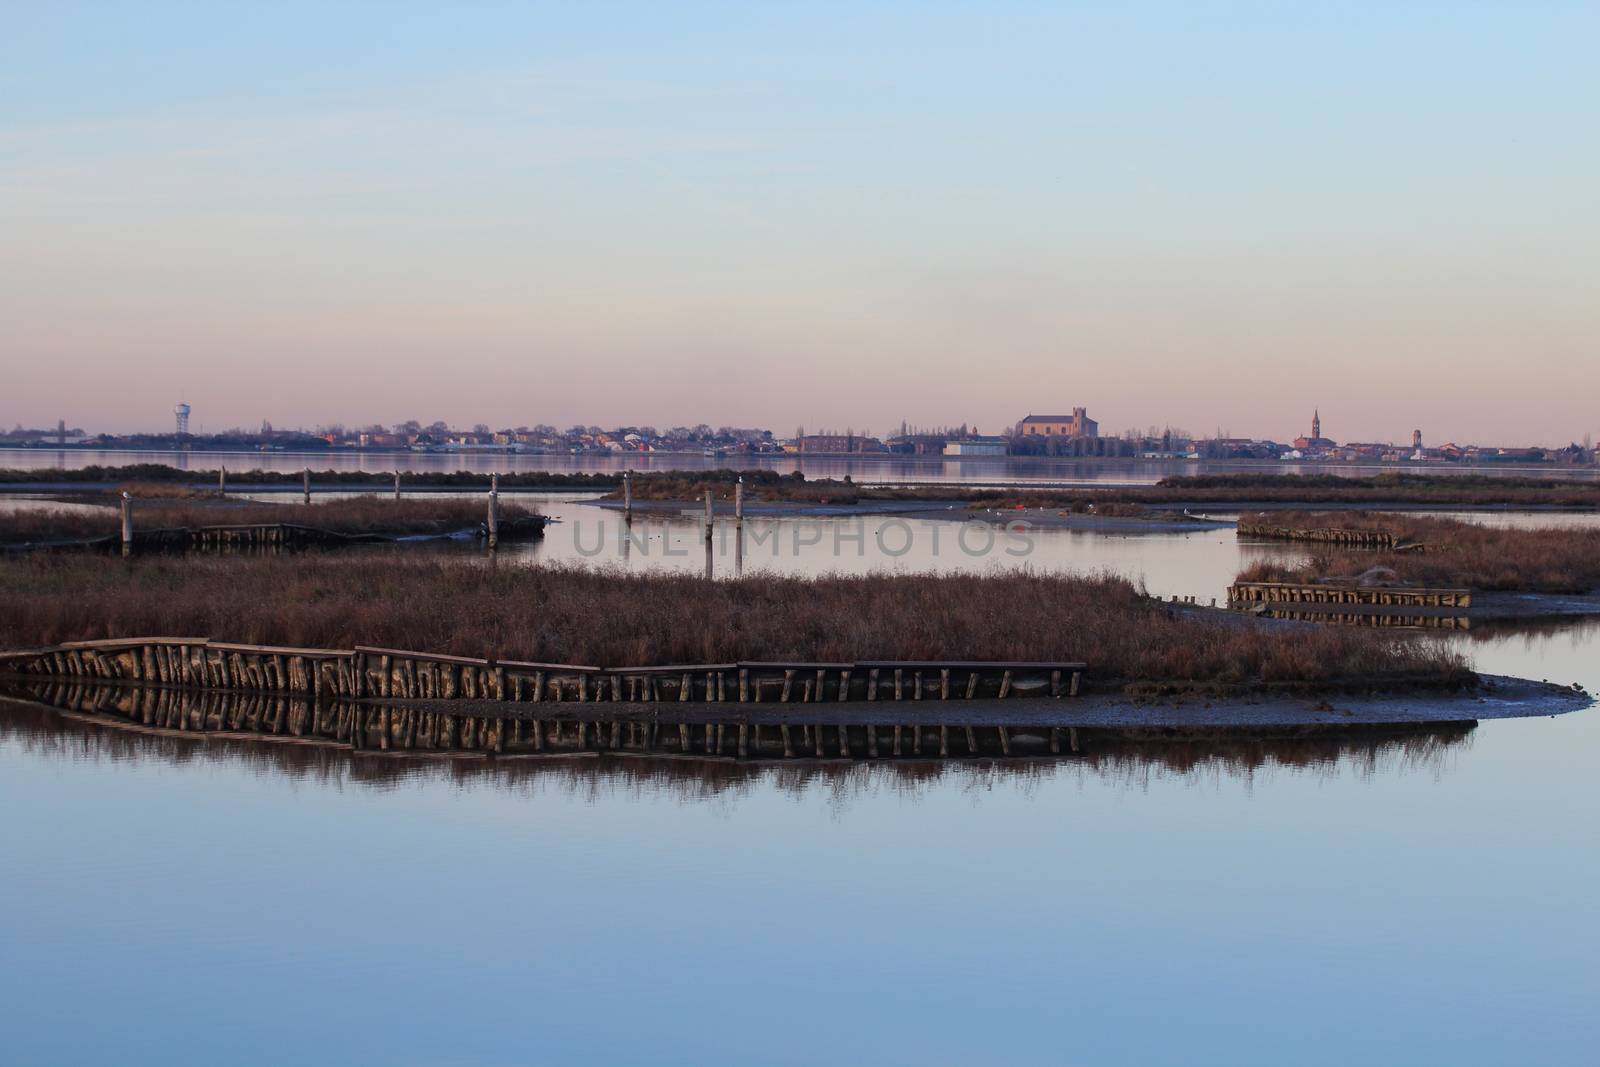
column 397, row 485
column 738, row 527
column 627, row 496
column 494, row 510
column 708, row 533
column 222, row 478
column 127, row 524
column 305, row 484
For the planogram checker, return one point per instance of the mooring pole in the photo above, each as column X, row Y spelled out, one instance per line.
column 127, row 524
column 494, row 510
column 627, row 496
column 397, row 485
column 738, row 527
column 305, row 483
column 222, row 478
column 708, row 533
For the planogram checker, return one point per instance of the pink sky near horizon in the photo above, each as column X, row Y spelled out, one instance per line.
column 823, row 220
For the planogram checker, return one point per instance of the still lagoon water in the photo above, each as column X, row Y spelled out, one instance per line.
column 1417, row 901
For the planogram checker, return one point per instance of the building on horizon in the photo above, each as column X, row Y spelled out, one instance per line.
column 1316, row 440
column 976, row 445
column 1078, row 424
column 834, row 444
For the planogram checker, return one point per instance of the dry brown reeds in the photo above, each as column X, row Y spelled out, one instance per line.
column 570, row 615
column 354, row 515
column 1452, row 553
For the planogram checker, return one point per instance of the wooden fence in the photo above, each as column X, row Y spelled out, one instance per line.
column 367, row 672
column 1333, row 535
column 1247, row 594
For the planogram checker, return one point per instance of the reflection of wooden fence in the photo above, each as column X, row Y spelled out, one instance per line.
column 1434, row 619
column 573, row 730
column 1247, row 594
column 365, row 672
column 1333, row 535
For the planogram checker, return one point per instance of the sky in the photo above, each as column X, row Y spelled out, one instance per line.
column 1216, row 216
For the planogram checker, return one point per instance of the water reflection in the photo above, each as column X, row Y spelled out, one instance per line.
column 1579, row 631
column 288, row 738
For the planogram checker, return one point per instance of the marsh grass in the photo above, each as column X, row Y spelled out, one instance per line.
column 355, row 515
column 1453, row 490
column 571, row 615
column 1467, row 490
column 1454, row 553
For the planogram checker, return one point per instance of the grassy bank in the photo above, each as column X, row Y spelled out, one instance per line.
column 1454, row 553
column 358, row 516
column 1222, row 491
column 1463, row 490
column 158, row 473
column 610, row 619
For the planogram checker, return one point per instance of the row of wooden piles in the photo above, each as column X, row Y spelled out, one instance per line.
column 1246, row 593
column 1332, row 535
column 367, row 672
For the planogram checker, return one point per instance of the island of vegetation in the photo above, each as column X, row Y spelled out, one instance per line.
column 1219, row 491
column 164, row 516
column 1130, row 643
column 1428, row 551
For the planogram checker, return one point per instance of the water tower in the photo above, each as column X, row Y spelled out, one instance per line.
column 182, row 412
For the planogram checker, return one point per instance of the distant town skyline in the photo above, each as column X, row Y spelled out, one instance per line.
column 824, row 214
column 1030, row 434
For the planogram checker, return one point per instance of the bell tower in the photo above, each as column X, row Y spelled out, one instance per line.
column 1316, row 424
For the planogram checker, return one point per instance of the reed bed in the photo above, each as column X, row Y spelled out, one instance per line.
column 1453, row 553
column 1441, row 490
column 572, row 615
column 1405, row 527
column 1453, row 490
column 356, row 515
column 165, row 475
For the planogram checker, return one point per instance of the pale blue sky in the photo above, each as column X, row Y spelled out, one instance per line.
column 1214, row 215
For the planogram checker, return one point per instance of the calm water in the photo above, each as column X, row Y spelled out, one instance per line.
column 869, row 469
column 1400, row 903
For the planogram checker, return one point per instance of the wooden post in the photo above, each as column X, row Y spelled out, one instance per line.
column 627, row 496
column 708, row 535
column 397, row 485
column 222, row 478
column 738, row 527
column 305, row 484
column 494, row 510
column 127, row 525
